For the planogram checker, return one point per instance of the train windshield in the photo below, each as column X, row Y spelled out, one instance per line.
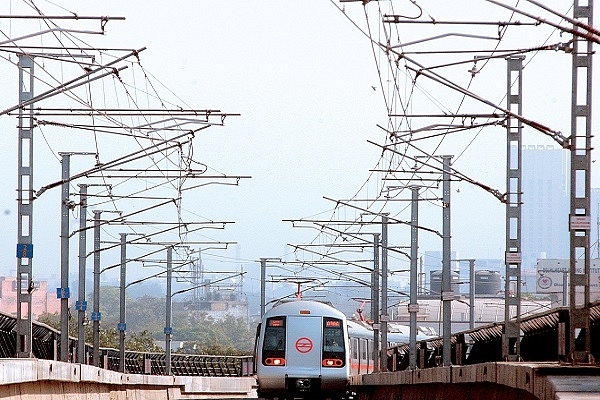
column 274, row 335
column 333, row 335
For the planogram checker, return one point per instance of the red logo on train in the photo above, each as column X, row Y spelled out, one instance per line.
column 304, row 345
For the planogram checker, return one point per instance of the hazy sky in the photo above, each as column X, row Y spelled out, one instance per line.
column 311, row 92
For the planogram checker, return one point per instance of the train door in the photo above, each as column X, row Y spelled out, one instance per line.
column 364, row 356
column 304, row 345
column 355, row 360
column 255, row 352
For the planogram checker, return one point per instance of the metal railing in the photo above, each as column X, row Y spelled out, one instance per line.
column 46, row 345
column 544, row 337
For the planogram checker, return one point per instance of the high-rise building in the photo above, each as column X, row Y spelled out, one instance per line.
column 545, row 215
column 595, row 234
column 545, row 209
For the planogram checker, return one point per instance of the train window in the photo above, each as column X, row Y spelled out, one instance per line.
column 275, row 334
column 354, row 346
column 273, row 348
column 333, row 335
column 334, row 351
column 363, row 349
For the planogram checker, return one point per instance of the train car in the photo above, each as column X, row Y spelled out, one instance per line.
column 362, row 345
column 400, row 334
column 302, row 351
column 361, row 348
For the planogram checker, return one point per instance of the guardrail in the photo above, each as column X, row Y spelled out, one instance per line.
column 46, row 346
column 545, row 337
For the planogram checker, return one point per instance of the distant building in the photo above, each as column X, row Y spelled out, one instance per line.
column 545, row 210
column 552, row 274
column 219, row 304
column 486, row 311
column 42, row 300
column 546, row 206
column 595, row 234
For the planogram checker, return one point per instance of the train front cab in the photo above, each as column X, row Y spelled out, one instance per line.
column 303, row 356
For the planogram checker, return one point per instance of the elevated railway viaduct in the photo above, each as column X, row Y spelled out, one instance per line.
column 478, row 371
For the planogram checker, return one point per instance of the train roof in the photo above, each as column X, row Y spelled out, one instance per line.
column 357, row 329
column 294, row 308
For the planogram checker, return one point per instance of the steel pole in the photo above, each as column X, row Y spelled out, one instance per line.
column 96, row 316
column 447, row 293
column 375, row 302
column 471, row 294
column 81, row 304
column 511, row 338
column 64, row 292
column 25, row 284
column 384, row 288
column 122, row 327
column 168, row 309
column 263, row 274
column 580, row 224
column 413, row 307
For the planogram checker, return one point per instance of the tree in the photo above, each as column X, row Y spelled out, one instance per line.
column 239, row 333
column 53, row 321
column 110, row 304
column 145, row 322
column 142, row 342
column 146, row 313
column 109, row 337
column 206, row 336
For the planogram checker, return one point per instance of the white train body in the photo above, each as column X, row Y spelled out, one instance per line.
column 362, row 344
column 302, row 351
column 307, row 349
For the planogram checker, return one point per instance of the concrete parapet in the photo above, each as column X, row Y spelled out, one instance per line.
column 432, row 375
column 94, row 374
column 516, row 375
column 21, row 370
column 202, row 384
column 543, row 381
column 487, row 372
column 462, row 374
column 56, row 371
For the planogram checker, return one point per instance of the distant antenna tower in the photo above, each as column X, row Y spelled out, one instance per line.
column 197, row 279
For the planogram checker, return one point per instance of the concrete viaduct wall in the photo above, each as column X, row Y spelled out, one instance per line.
column 34, row 379
column 489, row 381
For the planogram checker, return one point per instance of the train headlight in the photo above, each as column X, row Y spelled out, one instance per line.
column 274, row 362
column 333, row 362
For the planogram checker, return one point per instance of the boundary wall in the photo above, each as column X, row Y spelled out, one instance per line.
column 492, row 381
column 34, row 379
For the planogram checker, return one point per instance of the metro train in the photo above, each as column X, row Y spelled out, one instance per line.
column 308, row 349
column 362, row 343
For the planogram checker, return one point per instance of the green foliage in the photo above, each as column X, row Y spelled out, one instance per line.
column 53, row 320
column 109, row 304
column 146, row 313
column 200, row 333
column 142, row 342
column 109, row 337
column 206, row 336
